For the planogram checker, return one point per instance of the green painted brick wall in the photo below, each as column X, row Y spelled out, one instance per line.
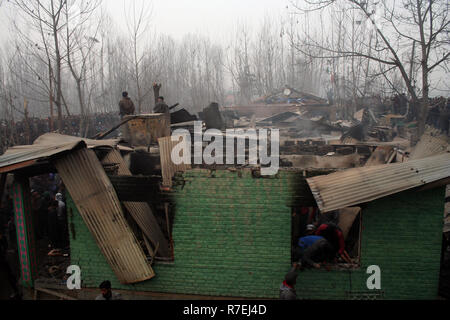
column 232, row 238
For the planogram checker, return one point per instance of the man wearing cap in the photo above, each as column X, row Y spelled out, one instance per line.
column 306, row 242
column 287, row 289
column 126, row 105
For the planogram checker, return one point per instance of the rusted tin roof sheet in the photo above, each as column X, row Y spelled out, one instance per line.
column 46, row 146
column 141, row 211
column 98, row 204
column 56, row 138
column 356, row 186
column 24, row 156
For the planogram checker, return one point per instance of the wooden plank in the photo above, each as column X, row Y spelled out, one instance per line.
column 382, row 155
column 2, row 184
column 347, row 217
column 53, row 293
column 166, row 146
column 100, row 208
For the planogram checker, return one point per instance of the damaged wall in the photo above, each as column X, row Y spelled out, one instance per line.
column 232, row 238
column 402, row 234
column 231, row 235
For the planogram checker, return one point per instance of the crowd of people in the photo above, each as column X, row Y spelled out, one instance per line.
column 49, row 221
column 26, row 132
column 439, row 115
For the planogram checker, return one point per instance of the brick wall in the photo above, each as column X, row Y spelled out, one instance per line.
column 232, row 238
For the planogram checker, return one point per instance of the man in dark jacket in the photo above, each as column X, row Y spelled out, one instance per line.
column 320, row 251
column 287, row 289
column 335, row 237
column 5, row 269
column 126, row 106
column 161, row 106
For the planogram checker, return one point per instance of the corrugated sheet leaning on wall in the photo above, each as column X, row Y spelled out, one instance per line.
column 98, row 204
column 140, row 211
column 355, row 186
column 166, row 146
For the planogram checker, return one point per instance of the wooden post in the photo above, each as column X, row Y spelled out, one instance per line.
column 26, row 244
column 2, row 185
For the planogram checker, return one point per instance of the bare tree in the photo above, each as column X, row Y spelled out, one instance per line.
column 138, row 16
column 81, row 38
column 47, row 18
column 398, row 25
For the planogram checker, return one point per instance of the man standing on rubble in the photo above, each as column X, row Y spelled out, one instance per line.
column 126, row 105
column 161, row 106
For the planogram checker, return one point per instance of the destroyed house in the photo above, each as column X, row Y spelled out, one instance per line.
column 229, row 232
column 285, row 100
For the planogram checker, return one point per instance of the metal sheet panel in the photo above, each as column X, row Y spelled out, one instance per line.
column 46, row 146
column 166, row 146
column 97, row 202
column 145, row 130
column 28, row 155
column 140, row 211
column 56, row 139
column 356, row 186
column 328, row 162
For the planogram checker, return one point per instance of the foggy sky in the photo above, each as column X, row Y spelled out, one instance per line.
column 214, row 18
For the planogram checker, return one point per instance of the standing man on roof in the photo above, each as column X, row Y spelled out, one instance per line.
column 161, row 106
column 126, row 106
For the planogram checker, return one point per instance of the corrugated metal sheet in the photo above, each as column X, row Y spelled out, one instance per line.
column 355, row 186
column 166, row 145
column 56, row 138
column 23, row 156
column 46, row 146
column 140, row 211
column 432, row 143
column 98, row 204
